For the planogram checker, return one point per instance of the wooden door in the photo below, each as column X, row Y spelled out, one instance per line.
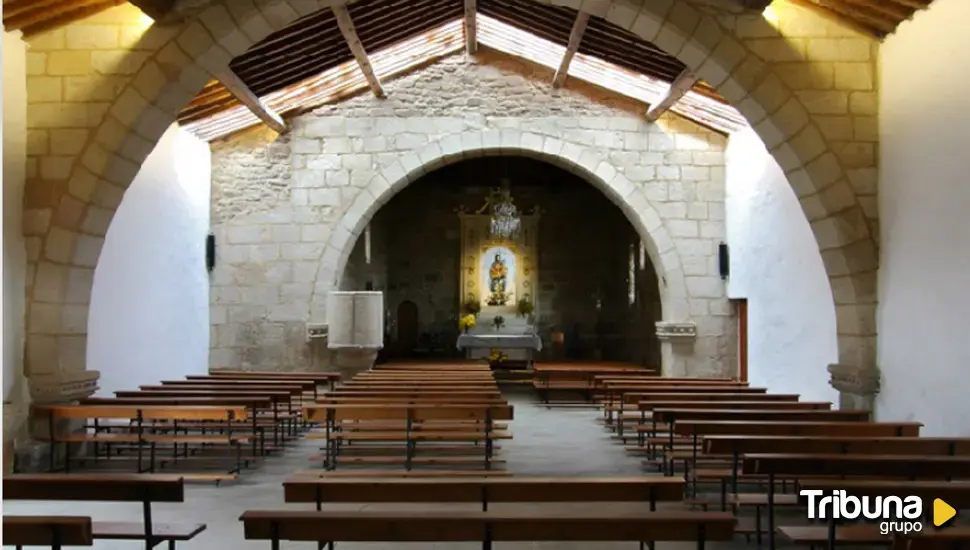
column 407, row 326
column 743, row 338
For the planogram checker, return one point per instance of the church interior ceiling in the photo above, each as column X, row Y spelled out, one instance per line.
column 309, row 63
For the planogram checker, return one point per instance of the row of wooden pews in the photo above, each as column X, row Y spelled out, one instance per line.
column 58, row 531
column 412, row 419
column 581, row 377
column 475, row 513
column 206, row 427
column 761, row 450
column 419, row 407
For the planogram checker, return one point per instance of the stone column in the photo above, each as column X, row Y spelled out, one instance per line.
column 676, row 346
column 857, row 386
column 355, row 330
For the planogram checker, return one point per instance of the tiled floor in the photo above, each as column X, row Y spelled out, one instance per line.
column 557, row 441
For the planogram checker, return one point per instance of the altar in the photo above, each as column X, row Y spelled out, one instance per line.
column 499, row 278
column 530, row 342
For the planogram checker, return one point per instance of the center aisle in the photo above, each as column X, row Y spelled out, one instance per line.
column 561, row 441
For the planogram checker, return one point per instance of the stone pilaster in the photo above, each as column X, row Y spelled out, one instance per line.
column 857, row 386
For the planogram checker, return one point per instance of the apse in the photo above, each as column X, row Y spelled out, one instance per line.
column 513, row 238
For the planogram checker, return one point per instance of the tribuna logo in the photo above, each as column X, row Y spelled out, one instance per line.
column 895, row 514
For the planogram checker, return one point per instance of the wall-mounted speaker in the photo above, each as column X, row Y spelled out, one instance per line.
column 210, row 252
column 723, row 260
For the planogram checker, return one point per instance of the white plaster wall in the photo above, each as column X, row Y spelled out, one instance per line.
column 149, row 315
column 776, row 265
column 924, row 280
column 14, row 265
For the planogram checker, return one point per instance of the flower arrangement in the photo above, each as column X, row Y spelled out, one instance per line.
column 497, row 357
column 524, row 307
column 467, row 322
column 472, row 306
column 498, row 321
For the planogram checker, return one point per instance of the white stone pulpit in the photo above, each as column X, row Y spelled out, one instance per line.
column 355, row 329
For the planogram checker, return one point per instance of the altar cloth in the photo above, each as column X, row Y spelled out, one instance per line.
column 498, row 341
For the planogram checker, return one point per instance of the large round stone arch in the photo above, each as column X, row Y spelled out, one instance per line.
column 187, row 56
column 583, row 161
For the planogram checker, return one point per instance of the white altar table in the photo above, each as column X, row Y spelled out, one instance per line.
column 500, row 341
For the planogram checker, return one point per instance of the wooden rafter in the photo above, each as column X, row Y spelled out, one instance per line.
column 678, row 88
column 871, row 18
column 242, row 93
column 858, row 26
column 575, row 37
column 471, row 27
column 347, row 29
column 36, row 16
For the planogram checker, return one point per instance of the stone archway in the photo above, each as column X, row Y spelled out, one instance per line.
column 718, row 48
column 583, row 161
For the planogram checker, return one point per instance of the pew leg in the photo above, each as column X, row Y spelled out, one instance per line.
column 757, row 525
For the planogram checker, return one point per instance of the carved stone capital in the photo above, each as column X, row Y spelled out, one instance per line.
column 678, row 332
column 63, row 387
column 861, row 381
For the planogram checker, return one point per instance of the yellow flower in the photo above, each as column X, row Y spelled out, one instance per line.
column 466, row 322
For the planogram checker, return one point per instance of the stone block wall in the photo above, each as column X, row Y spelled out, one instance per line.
column 276, row 263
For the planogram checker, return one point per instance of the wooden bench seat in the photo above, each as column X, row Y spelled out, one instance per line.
column 421, row 436
column 372, row 473
column 486, row 490
column 53, row 531
column 487, row 527
column 145, row 489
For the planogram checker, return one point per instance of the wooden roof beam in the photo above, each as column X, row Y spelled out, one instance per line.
column 678, row 88
column 240, row 91
column 471, row 27
column 575, row 37
column 347, row 29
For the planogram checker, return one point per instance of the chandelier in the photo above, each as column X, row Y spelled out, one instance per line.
column 505, row 219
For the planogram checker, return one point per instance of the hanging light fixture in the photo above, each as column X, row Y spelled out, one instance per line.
column 505, row 221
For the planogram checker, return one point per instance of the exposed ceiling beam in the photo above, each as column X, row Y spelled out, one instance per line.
column 678, row 88
column 876, row 20
column 347, row 29
column 240, row 91
column 575, row 37
column 471, row 27
column 37, row 16
column 841, row 19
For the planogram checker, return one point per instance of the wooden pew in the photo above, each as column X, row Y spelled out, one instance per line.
column 138, row 433
column 409, row 417
column 53, row 531
column 254, row 406
column 644, row 407
column 284, row 416
column 321, row 378
column 144, row 488
column 671, row 416
column 487, row 527
column 485, row 490
column 795, row 466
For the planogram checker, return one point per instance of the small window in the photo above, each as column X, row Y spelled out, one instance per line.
column 367, row 245
column 631, row 276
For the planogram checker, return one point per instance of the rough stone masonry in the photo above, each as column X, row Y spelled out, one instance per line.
column 278, row 201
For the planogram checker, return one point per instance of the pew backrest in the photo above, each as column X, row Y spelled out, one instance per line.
column 100, row 487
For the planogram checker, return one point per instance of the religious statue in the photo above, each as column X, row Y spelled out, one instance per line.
column 497, row 277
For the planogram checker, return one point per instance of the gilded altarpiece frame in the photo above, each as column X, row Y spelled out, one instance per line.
column 477, row 241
